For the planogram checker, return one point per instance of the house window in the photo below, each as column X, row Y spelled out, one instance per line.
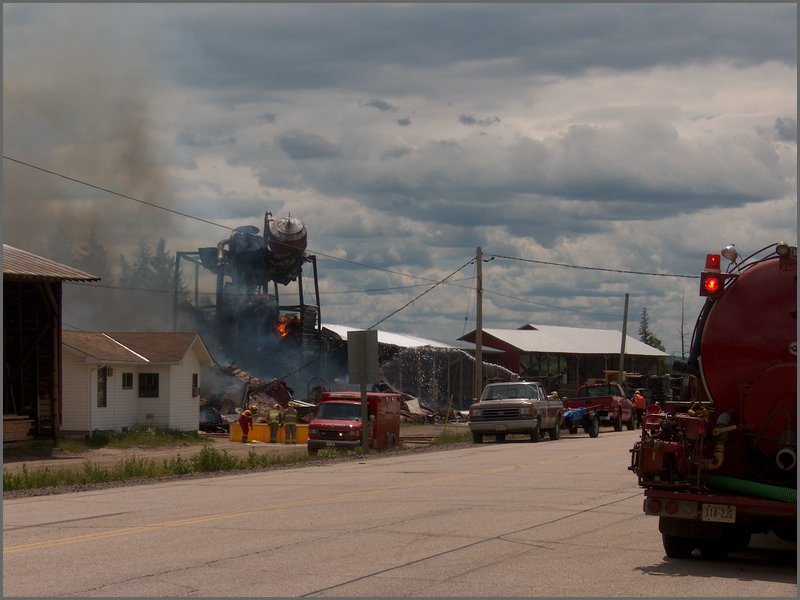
column 102, row 387
column 195, row 385
column 148, row 385
column 127, row 381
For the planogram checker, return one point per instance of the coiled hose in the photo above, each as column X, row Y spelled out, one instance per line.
column 753, row 488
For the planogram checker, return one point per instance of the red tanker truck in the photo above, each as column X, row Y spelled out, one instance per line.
column 720, row 464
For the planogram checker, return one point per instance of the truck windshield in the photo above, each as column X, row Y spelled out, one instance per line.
column 335, row 410
column 597, row 391
column 507, row 391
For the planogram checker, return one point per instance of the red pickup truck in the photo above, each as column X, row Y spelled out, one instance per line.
column 599, row 403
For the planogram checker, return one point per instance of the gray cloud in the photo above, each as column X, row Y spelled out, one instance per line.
column 381, row 105
column 300, row 145
column 483, row 122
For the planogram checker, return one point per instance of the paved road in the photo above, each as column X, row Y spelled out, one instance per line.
column 518, row 519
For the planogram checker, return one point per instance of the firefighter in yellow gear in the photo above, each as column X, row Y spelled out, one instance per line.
column 290, row 424
column 274, row 420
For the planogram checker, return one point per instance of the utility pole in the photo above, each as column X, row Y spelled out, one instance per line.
column 622, row 348
column 479, row 324
column 683, row 332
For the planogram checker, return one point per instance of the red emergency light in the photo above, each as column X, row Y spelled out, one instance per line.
column 713, row 262
column 713, row 284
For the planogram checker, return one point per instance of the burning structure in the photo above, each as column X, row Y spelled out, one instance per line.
column 246, row 324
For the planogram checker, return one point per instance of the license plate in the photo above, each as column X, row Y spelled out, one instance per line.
column 719, row 513
column 499, row 427
column 330, row 443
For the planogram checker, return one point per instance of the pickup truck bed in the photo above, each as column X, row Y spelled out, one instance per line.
column 605, row 403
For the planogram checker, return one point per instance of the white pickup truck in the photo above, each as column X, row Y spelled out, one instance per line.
column 515, row 407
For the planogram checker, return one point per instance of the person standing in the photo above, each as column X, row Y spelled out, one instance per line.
column 246, row 423
column 274, row 420
column 290, row 424
column 639, row 402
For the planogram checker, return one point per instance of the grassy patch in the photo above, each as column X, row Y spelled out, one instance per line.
column 452, row 437
column 134, row 467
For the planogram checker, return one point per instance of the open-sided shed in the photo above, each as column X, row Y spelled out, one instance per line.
column 32, row 313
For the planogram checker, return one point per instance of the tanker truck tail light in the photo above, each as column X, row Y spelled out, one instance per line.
column 652, row 506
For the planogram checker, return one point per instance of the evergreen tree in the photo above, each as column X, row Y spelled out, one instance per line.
column 645, row 335
column 92, row 257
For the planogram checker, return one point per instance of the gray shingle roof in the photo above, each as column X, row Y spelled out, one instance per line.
column 135, row 347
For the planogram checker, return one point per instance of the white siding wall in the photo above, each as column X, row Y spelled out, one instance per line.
column 153, row 411
column 184, row 408
column 122, row 402
column 175, row 407
column 75, row 394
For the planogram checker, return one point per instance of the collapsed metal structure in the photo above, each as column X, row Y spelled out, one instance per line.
column 245, row 324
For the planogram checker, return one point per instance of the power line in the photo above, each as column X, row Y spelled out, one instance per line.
column 575, row 310
column 555, row 264
column 196, row 218
column 103, row 189
column 332, row 257
column 470, row 261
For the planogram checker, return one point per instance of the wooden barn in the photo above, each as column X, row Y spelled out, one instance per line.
column 32, row 345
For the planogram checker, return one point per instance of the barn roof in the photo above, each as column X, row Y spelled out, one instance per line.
column 550, row 339
column 136, row 347
column 21, row 265
column 387, row 337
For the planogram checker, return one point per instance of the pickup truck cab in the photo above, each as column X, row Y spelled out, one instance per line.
column 515, row 407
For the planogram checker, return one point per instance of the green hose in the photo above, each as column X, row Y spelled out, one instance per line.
column 752, row 488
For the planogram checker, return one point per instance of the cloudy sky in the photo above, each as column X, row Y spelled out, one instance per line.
column 617, row 136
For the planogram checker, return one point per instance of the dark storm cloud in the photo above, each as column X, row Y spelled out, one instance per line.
column 640, row 170
column 283, row 47
column 300, row 145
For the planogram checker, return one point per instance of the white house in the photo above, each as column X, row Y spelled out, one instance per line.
column 117, row 380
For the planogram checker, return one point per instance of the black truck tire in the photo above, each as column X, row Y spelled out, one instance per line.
column 554, row 432
column 536, row 432
column 593, row 429
column 632, row 423
column 477, row 438
column 618, row 422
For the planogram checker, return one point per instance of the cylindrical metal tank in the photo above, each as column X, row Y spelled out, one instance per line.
column 287, row 237
column 748, row 358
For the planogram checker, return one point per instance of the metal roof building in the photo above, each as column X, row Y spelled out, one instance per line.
column 19, row 265
column 571, row 340
column 564, row 357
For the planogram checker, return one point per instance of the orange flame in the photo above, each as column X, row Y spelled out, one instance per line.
column 282, row 326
